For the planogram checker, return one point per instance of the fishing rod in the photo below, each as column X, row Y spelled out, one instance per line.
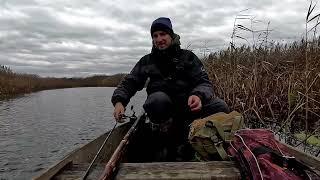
column 97, row 155
column 123, row 116
column 116, row 157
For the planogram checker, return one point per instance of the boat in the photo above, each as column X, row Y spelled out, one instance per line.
column 120, row 159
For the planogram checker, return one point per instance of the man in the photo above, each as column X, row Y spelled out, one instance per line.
column 179, row 89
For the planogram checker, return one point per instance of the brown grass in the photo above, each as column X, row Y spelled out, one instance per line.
column 269, row 83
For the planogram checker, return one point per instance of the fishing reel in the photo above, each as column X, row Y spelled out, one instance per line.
column 132, row 118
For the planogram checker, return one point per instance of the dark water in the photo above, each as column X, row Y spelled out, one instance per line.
column 39, row 129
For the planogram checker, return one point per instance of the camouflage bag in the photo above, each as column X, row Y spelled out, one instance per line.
column 208, row 135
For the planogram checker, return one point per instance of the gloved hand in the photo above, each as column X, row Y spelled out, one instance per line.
column 118, row 112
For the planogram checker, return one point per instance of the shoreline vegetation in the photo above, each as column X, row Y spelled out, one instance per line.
column 268, row 86
column 270, row 83
column 13, row 84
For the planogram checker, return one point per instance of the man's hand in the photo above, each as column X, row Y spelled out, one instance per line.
column 118, row 112
column 194, row 102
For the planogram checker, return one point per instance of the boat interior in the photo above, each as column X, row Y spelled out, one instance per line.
column 138, row 161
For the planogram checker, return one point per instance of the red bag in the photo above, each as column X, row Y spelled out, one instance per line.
column 262, row 157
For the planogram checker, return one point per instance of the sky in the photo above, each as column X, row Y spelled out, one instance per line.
column 80, row 38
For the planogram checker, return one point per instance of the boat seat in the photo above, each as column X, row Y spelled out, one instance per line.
column 178, row 170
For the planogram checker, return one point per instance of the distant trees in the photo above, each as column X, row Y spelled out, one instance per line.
column 14, row 83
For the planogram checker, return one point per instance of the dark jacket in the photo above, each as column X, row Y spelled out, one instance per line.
column 177, row 72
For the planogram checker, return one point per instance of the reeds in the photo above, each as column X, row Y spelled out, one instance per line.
column 271, row 82
column 270, row 88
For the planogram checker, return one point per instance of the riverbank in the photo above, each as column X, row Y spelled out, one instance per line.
column 13, row 84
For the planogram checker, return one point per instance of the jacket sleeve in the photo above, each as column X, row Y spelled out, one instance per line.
column 130, row 85
column 202, row 86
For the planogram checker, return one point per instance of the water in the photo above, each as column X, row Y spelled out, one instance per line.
column 39, row 129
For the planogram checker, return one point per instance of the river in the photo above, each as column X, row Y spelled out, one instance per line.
column 39, row 129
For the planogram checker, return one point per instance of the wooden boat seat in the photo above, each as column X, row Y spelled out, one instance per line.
column 178, row 170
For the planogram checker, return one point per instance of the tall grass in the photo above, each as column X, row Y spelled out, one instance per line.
column 271, row 86
column 270, row 81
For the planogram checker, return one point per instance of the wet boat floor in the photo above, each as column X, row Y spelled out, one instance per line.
column 76, row 171
column 159, row 170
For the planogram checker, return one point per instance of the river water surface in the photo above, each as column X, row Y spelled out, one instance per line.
column 39, row 129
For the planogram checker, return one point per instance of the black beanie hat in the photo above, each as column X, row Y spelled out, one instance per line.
column 162, row 24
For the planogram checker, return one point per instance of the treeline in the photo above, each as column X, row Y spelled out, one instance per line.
column 279, row 82
column 14, row 83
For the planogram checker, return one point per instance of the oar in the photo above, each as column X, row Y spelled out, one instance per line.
column 97, row 155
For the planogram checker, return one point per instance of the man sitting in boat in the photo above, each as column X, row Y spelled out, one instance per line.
column 179, row 89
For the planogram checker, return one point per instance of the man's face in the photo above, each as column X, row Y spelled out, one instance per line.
column 161, row 39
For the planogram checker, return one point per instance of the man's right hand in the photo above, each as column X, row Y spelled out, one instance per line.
column 118, row 112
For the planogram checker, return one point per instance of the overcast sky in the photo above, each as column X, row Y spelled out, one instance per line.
column 85, row 37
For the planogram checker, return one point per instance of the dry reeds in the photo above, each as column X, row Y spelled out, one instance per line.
column 269, row 83
column 279, row 95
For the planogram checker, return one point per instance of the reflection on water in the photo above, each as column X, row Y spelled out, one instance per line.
column 39, row 129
